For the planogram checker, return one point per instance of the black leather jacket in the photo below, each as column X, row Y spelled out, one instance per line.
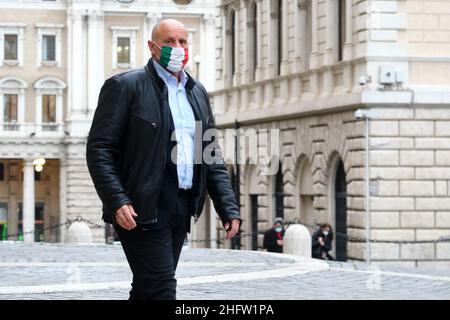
column 127, row 143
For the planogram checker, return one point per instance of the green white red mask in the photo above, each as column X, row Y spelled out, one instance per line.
column 173, row 58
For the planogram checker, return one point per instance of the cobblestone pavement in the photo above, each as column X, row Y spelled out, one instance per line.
column 59, row 271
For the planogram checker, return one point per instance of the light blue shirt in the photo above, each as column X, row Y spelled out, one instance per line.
column 184, row 122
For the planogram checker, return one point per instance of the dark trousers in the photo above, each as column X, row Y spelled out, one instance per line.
column 153, row 254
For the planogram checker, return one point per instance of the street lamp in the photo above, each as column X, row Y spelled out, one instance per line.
column 39, row 164
column 367, row 114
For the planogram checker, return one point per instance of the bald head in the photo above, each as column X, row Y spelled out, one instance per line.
column 168, row 32
column 168, row 27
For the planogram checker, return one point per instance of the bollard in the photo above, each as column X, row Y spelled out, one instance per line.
column 79, row 232
column 297, row 241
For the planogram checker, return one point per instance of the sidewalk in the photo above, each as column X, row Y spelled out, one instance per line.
column 60, row 271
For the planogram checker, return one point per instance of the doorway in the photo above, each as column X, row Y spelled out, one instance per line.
column 340, row 198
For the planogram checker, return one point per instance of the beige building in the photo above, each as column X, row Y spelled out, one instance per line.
column 54, row 57
column 357, row 88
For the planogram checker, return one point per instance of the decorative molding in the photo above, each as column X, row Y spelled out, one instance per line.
column 153, row 17
column 208, row 19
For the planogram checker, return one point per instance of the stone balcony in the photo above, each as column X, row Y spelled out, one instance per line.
column 316, row 90
column 27, row 129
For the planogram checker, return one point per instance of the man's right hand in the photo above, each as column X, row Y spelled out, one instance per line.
column 124, row 217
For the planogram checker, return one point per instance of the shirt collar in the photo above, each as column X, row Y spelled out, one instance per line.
column 167, row 76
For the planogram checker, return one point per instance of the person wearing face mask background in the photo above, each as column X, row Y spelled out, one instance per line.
column 273, row 238
column 322, row 241
column 144, row 154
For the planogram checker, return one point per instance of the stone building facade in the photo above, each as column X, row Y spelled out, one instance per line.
column 54, row 57
column 357, row 88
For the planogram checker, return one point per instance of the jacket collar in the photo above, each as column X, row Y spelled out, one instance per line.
column 154, row 75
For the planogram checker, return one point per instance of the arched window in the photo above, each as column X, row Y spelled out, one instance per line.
column 12, row 103
column 253, row 40
column 49, row 103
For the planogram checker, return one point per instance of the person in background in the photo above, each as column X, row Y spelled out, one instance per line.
column 273, row 238
column 322, row 242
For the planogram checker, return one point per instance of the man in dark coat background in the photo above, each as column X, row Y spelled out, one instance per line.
column 142, row 154
column 273, row 238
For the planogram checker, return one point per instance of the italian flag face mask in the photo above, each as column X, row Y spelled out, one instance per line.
column 173, row 58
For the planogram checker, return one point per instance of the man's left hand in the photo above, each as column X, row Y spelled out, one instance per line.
column 233, row 229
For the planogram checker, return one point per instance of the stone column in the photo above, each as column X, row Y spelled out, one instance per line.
column 259, row 68
column 76, row 69
column 207, row 53
column 190, row 63
column 314, row 35
column 95, row 59
column 28, row 200
column 284, row 66
column 151, row 19
column 331, row 46
column 62, row 198
column 301, row 36
column 348, row 48
column 237, row 69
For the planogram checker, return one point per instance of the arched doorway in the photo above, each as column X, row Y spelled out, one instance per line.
column 279, row 193
column 249, row 226
column 340, row 205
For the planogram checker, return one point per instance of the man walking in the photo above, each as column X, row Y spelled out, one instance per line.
column 148, row 182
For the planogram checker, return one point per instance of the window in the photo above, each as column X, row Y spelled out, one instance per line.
column 10, row 108
column 11, row 47
column 277, row 35
column 48, row 48
column 49, row 39
column 12, row 103
column 306, row 33
column 11, row 43
column 124, row 46
column 253, row 35
column 39, row 213
column 49, row 108
column 341, row 29
column 3, row 221
column 280, row 36
column 233, row 43
column 2, row 172
column 49, row 104
column 231, row 47
column 123, row 50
